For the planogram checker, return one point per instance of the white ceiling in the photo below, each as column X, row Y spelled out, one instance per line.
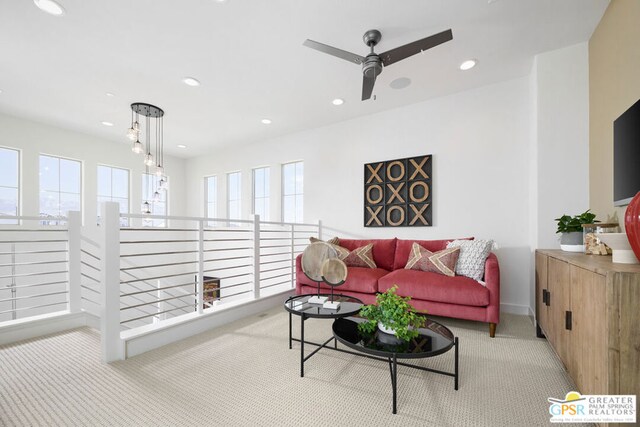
column 248, row 54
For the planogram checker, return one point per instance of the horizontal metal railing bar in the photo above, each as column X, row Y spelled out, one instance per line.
column 276, row 238
column 87, row 240
column 157, row 229
column 228, row 258
column 33, row 230
column 295, row 224
column 228, row 230
column 90, row 300
column 144, row 242
column 236, row 285
column 48, row 294
column 276, row 276
column 275, row 246
column 184, row 218
column 33, row 263
column 34, row 218
column 35, row 252
column 275, row 284
column 35, row 306
column 33, row 274
column 284, row 230
column 90, row 289
column 236, row 294
column 129, row 307
column 90, row 254
column 157, row 313
column 34, row 285
column 228, row 240
column 155, row 289
column 89, row 277
column 277, row 253
column 230, row 277
column 33, row 241
column 89, row 265
column 169, row 264
column 157, row 253
column 288, row 267
column 158, row 277
column 234, row 266
column 276, row 261
column 228, row 249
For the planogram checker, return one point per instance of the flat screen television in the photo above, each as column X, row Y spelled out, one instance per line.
column 626, row 155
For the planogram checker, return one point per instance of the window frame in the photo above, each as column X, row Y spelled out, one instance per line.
column 295, row 194
column 267, row 191
column 124, row 222
column 44, row 221
column 207, row 202
column 17, row 187
column 239, row 200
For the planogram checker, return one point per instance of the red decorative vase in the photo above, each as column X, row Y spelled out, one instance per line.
column 632, row 224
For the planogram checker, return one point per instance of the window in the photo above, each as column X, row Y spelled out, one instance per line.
column 234, row 193
column 60, row 187
column 261, row 193
column 9, row 187
column 211, row 198
column 151, row 184
column 292, row 192
column 113, row 186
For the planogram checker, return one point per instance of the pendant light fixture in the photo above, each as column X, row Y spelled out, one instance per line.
column 153, row 154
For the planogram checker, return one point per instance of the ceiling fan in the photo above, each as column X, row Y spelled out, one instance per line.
column 372, row 64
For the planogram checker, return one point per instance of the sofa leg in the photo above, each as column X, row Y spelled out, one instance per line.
column 492, row 330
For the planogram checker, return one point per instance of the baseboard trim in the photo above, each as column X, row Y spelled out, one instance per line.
column 37, row 326
column 522, row 310
column 135, row 344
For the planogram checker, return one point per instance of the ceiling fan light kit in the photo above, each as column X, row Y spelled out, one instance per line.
column 373, row 63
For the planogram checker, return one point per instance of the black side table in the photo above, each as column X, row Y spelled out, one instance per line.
column 298, row 305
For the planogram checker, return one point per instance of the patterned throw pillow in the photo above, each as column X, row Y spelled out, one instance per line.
column 333, row 241
column 442, row 262
column 359, row 257
column 473, row 254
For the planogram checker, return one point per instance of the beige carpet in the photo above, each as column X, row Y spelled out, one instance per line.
column 245, row 375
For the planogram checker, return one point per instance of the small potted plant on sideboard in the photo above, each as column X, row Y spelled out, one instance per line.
column 570, row 227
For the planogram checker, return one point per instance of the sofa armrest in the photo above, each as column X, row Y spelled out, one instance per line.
column 492, row 282
column 299, row 274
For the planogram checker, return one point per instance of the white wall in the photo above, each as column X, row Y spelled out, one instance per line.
column 480, row 141
column 34, row 138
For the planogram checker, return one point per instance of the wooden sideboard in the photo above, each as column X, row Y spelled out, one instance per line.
column 589, row 310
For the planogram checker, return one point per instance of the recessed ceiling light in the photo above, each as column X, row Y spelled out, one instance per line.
column 109, row 94
column 50, row 7
column 338, row 101
column 190, row 81
column 400, row 83
column 182, row 146
column 107, row 124
column 221, row 1
column 266, row 121
column 468, row 64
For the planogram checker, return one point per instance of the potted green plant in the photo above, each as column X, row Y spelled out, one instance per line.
column 391, row 314
column 570, row 227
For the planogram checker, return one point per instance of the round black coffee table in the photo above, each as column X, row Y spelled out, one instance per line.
column 299, row 305
column 434, row 339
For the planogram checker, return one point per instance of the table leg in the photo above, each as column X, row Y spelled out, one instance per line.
column 393, row 370
column 302, row 345
column 335, row 343
column 290, row 329
column 456, row 344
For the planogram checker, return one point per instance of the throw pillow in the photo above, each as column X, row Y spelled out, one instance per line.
column 333, row 241
column 359, row 257
column 442, row 262
column 473, row 254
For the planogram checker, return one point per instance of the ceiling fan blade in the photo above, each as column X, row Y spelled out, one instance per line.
column 394, row 55
column 367, row 87
column 342, row 54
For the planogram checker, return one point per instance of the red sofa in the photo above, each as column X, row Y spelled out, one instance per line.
column 459, row 297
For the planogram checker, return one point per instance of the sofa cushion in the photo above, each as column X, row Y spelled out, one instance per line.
column 428, row 286
column 383, row 250
column 360, row 257
column 359, row 279
column 441, row 262
column 403, row 248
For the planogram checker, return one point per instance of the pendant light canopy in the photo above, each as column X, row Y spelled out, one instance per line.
column 153, row 153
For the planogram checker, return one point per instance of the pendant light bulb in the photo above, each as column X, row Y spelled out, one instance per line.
column 146, row 208
column 137, row 147
column 156, row 196
column 162, row 184
column 136, row 127
column 132, row 134
column 159, row 170
column 148, row 159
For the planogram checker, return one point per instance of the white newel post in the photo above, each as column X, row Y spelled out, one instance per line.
column 256, row 256
column 112, row 348
column 75, row 269
column 200, row 279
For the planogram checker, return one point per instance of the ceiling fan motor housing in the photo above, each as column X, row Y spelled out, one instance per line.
column 372, row 66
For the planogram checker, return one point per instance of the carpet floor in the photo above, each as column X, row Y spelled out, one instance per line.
column 244, row 374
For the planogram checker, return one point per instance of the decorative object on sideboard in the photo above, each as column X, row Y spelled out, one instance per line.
column 153, row 154
column 392, row 314
column 570, row 227
column 334, row 273
column 592, row 243
column 313, row 258
column 632, row 224
column 398, row 193
column 619, row 243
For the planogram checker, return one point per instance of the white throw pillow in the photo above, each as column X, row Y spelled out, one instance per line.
column 473, row 254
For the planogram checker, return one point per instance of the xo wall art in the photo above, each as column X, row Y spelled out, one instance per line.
column 397, row 193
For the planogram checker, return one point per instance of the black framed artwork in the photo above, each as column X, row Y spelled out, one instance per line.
column 398, row 193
